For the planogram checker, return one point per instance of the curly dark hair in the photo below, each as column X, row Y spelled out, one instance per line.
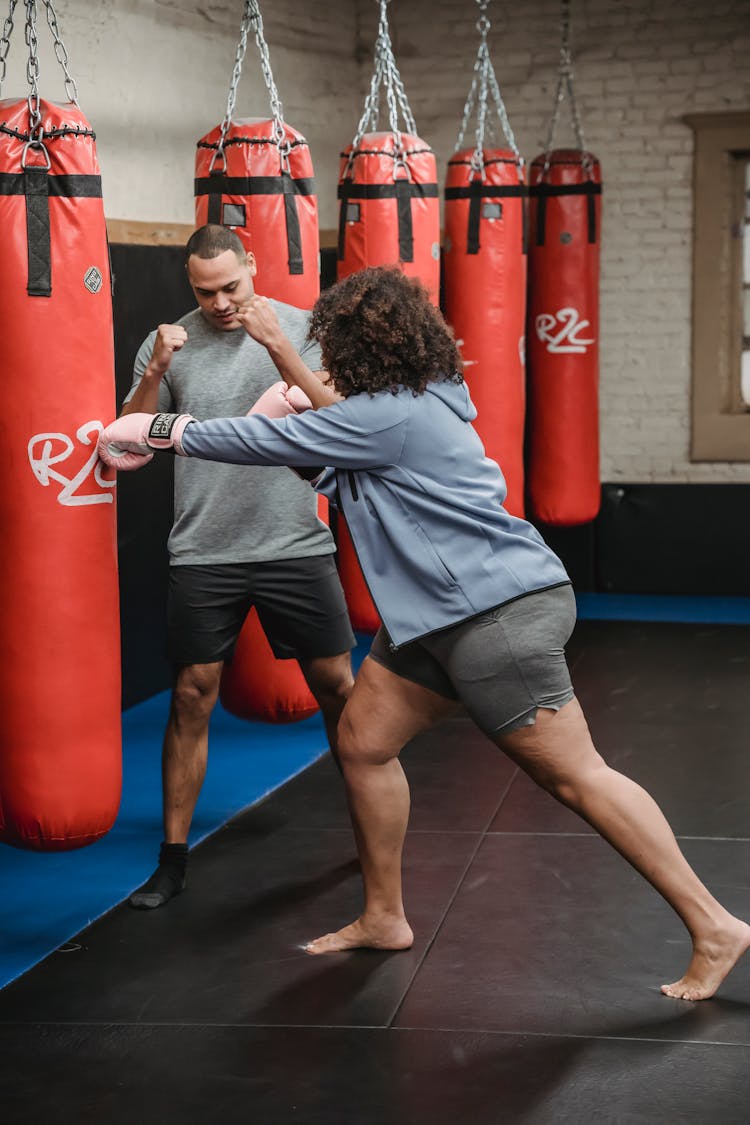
column 378, row 331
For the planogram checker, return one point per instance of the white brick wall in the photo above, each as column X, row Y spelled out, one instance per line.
column 153, row 77
column 639, row 66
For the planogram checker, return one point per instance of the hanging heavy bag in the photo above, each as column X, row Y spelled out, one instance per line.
column 362, row 612
column 485, row 301
column 256, row 177
column 563, row 338
column 389, row 215
column 278, row 694
column 389, row 210
column 255, row 684
column 60, row 746
column 563, row 322
column 484, row 273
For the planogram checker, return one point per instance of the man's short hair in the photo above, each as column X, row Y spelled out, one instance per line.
column 212, row 240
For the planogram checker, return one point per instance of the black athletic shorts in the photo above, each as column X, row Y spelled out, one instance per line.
column 300, row 604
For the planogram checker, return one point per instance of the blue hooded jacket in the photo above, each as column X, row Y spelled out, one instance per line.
column 423, row 503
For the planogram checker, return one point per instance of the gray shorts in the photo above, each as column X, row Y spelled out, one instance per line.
column 501, row 665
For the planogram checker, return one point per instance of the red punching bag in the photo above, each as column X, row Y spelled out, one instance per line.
column 256, row 176
column 484, row 272
column 261, row 185
column 256, row 685
column 60, row 740
column 485, row 299
column 362, row 612
column 279, row 694
column 389, row 215
column 389, row 211
column 563, row 337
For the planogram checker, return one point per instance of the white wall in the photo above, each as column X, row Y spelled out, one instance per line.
column 154, row 74
column 639, row 66
column 153, row 77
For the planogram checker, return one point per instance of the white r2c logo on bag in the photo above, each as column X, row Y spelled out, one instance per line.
column 561, row 332
column 46, row 450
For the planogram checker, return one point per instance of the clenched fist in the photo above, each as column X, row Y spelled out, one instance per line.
column 169, row 339
column 257, row 317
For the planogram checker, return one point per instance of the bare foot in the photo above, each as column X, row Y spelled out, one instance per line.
column 381, row 933
column 711, row 962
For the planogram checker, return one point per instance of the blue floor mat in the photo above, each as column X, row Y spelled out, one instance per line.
column 659, row 607
column 48, row 897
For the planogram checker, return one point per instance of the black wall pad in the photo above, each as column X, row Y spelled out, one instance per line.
column 327, row 266
column 150, row 289
column 575, row 546
column 674, row 539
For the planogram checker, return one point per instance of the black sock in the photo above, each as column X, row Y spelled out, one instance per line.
column 166, row 882
column 173, row 855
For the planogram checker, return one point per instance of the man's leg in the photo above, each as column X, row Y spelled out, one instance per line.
column 184, row 758
column 557, row 753
column 383, row 713
column 331, row 681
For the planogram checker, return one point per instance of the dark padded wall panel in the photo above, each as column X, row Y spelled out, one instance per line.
column 674, row 539
column 150, row 289
column 327, row 266
column 575, row 546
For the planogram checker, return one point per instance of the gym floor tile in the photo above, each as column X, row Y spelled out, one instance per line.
column 697, row 771
column 664, row 672
column 531, row 995
column 557, row 935
column 229, row 949
column 210, row 1075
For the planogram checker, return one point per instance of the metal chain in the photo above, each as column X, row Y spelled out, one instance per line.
column 386, row 74
column 36, row 129
column 565, row 84
column 36, row 133
column 32, row 71
column 5, row 41
column 277, row 110
column 251, row 15
column 61, row 54
column 483, row 82
column 232, row 97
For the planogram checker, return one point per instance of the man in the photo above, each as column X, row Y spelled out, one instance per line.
column 238, row 539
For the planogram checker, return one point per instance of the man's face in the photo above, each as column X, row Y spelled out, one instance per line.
column 220, row 285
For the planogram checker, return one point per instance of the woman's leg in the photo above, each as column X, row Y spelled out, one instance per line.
column 383, row 713
column 557, row 753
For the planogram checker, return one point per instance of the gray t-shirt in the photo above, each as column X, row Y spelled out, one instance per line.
column 234, row 513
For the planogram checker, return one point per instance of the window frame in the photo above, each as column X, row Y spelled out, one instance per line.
column 720, row 429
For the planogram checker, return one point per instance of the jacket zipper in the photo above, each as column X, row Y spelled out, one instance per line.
column 355, row 497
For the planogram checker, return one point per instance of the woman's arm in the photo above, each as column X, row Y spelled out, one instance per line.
column 359, row 433
column 258, row 318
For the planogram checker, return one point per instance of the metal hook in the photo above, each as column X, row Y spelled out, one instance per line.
column 35, row 144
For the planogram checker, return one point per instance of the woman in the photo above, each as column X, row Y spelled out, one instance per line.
column 475, row 607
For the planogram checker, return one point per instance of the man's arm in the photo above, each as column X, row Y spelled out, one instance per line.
column 259, row 320
column 145, row 399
